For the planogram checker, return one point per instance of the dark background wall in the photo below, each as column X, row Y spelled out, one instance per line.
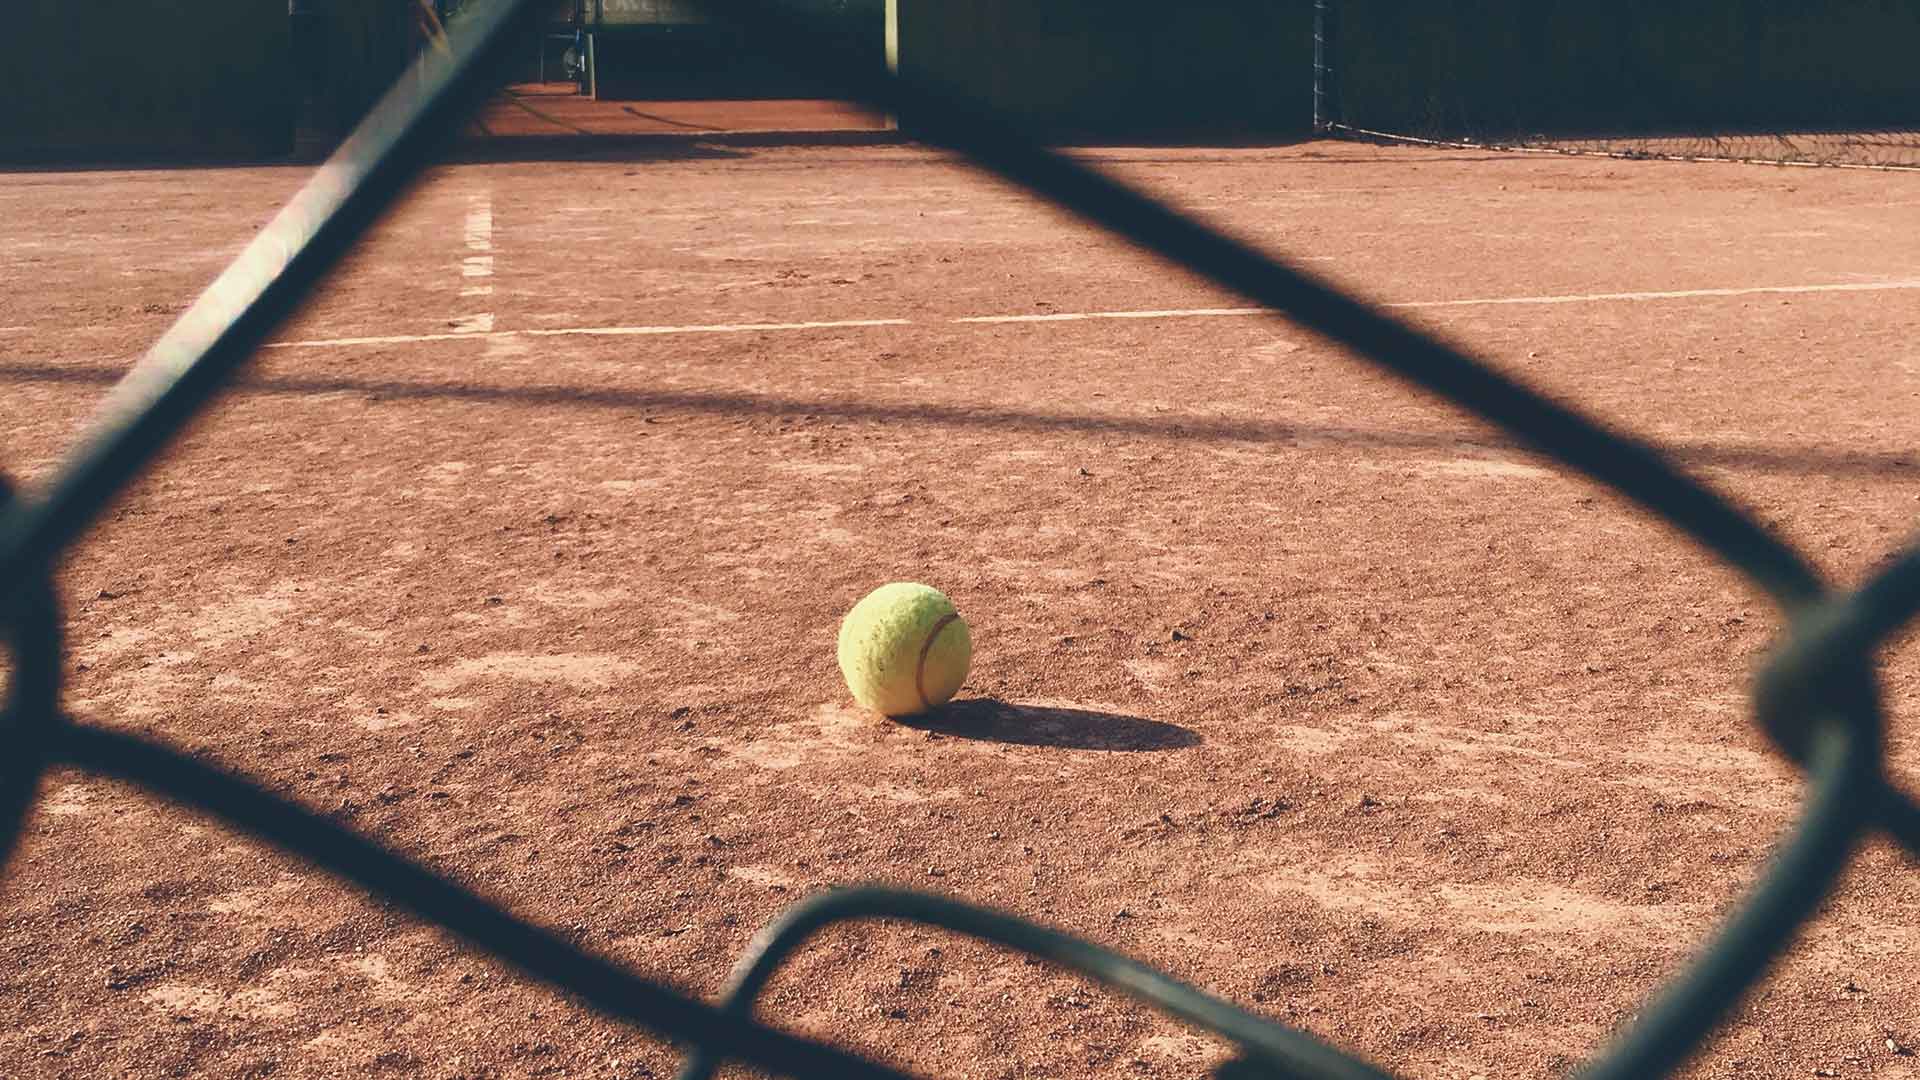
column 219, row 77
column 1632, row 66
column 1226, row 68
column 361, row 46
column 136, row 77
column 1121, row 68
column 650, row 49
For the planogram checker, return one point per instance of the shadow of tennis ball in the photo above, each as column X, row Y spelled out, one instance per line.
column 1066, row 727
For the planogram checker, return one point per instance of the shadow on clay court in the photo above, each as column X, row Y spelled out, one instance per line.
column 588, row 148
column 471, row 150
column 1805, row 461
column 993, row 720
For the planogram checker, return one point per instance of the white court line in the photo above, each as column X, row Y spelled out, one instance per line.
column 479, row 238
column 13, row 329
column 1675, row 294
column 586, row 331
column 1177, row 313
column 1573, row 298
column 480, row 223
column 720, row 328
column 1074, row 316
column 392, row 339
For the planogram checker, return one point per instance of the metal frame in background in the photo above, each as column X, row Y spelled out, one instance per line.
column 1818, row 699
column 1326, row 87
column 574, row 32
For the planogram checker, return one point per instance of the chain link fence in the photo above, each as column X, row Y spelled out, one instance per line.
column 1817, row 699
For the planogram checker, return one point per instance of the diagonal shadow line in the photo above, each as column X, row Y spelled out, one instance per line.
column 1751, row 458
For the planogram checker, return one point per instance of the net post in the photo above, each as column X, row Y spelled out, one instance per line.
column 1326, row 104
column 892, row 16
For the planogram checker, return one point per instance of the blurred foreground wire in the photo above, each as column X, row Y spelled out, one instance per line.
column 1818, row 700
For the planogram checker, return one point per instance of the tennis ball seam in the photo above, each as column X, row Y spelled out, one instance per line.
column 926, row 647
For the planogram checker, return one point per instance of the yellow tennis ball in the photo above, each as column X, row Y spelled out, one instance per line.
column 904, row 649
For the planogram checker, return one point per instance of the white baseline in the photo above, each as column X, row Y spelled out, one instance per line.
column 587, row 331
column 1080, row 316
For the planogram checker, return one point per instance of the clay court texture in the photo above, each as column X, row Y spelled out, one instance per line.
column 523, row 550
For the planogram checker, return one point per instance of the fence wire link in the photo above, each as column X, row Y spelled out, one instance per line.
column 1817, row 699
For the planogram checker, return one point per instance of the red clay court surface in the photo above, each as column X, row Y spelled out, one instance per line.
column 558, row 110
column 524, row 550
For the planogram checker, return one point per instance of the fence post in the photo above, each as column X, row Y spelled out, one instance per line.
column 1326, row 100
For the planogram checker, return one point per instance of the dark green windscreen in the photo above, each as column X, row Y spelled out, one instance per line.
column 141, row 77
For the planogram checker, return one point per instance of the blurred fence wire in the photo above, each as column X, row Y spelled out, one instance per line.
column 1817, row 699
